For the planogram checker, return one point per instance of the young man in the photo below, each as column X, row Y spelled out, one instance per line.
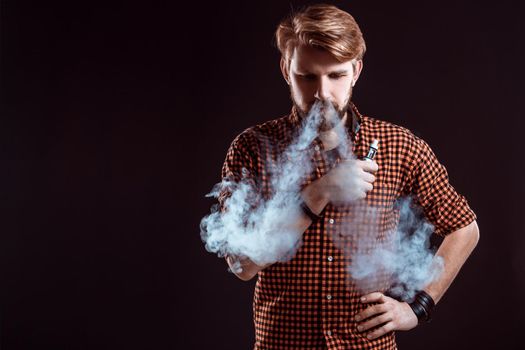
column 307, row 302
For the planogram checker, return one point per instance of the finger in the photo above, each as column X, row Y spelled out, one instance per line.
column 368, row 186
column 233, row 258
column 376, row 321
column 361, row 195
column 384, row 329
column 369, row 166
column 371, row 311
column 368, row 177
column 373, row 298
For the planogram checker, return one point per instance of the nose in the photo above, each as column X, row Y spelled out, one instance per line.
column 322, row 91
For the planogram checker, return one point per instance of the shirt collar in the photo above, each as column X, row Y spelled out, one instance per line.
column 353, row 123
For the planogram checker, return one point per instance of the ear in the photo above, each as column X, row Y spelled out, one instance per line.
column 358, row 67
column 284, row 70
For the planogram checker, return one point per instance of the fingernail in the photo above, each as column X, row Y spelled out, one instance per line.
column 359, row 328
column 369, row 336
column 363, row 299
column 357, row 318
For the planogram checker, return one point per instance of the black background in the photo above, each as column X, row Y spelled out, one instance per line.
column 115, row 119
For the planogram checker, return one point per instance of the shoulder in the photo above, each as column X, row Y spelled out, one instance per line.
column 270, row 131
column 396, row 143
column 387, row 130
column 392, row 134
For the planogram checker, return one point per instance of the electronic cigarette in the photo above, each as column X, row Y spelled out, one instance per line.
column 372, row 151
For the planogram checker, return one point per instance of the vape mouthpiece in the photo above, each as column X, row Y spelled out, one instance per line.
column 372, row 151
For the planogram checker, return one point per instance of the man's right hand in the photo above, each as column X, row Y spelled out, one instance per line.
column 350, row 180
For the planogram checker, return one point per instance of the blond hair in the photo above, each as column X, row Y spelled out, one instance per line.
column 321, row 26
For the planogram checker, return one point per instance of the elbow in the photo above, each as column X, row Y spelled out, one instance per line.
column 475, row 233
column 471, row 235
column 467, row 237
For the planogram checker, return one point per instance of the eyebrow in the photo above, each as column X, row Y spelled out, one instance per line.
column 341, row 71
column 305, row 71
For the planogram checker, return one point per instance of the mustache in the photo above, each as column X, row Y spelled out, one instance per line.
column 324, row 106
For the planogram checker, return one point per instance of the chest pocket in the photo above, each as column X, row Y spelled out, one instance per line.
column 385, row 191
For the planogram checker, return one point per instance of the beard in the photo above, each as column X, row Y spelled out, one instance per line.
column 331, row 113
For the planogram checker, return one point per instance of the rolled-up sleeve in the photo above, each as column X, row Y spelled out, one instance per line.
column 442, row 205
column 239, row 165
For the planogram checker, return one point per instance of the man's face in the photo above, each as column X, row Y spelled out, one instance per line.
column 315, row 75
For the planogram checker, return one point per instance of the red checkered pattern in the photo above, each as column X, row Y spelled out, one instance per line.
column 309, row 302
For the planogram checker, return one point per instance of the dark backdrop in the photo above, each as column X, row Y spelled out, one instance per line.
column 116, row 117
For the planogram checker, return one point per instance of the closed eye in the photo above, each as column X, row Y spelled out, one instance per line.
column 309, row 77
column 337, row 76
column 313, row 77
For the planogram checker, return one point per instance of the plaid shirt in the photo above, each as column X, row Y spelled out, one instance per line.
column 310, row 302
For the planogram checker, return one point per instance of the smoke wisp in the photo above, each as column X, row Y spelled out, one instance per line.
column 390, row 250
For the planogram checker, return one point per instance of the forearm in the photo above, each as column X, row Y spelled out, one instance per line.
column 246, row 269
column 455, row 249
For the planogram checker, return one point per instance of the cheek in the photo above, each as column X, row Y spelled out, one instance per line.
column 342, row 91
column 302, row 91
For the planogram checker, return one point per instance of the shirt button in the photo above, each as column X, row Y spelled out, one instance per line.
column 329, row 297
column 329, row 333
column 331, row 221
column 317, row 148
column 330, row 258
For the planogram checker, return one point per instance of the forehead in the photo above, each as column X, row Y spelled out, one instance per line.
column 307, row 58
